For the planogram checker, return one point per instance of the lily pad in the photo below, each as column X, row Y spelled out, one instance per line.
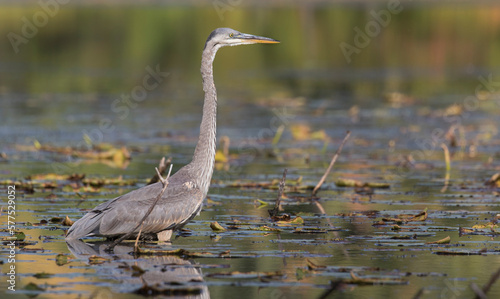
column 442, row 241
column 43, row 275
column 216, row 226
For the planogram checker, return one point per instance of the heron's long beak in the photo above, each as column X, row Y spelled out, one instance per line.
column 254, row 39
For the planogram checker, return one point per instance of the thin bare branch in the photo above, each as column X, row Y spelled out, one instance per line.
column 448, row 166
column 477, row 290
column 494, row 277
column 334, row 286
column 332, row 162
column 136, row 246
column 162, row 166
column 419, row 294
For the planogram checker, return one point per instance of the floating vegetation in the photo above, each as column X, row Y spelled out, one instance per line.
column 66, row 183
column 488, row 231
column 377, row 276
column 26, row 187
column 14, row 236
column 67, row 221
column 43, row 275
column 96, row 260
column 273, row 184
column 309, row 230
column 267, row 228
column 62, row 259
column 373, row 281
column 99, row 182
column 355, row 183
column 405, row 218
column 287, row 220
column 215, row 226
column 494, row 181
column 442, row 241
column 248, row 275
column 489, row 225
column 103, row 151
column 302, row 132
column 33, row 288
column 459, row 252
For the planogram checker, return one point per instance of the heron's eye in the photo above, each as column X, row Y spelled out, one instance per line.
column 230, row 35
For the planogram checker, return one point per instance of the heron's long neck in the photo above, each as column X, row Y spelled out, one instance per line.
column 204, row 154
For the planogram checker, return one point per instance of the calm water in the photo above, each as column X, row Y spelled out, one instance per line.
column 65, row 81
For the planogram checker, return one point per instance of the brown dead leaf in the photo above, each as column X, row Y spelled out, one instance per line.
column 96, row 260
column 494, row 181
column 67, row 221
column 290, row 221
column 313, row 266
column 405, row 218
column 442, row 241
column 373, row 281
column 215, row 226
column 341, row 182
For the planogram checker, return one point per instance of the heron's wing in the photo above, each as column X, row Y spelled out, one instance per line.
column 176, row 206
column 88, row 225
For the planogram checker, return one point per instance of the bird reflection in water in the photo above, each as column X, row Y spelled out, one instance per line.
column 163, row 275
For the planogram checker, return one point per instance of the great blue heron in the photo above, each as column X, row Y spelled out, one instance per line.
column 183, row 198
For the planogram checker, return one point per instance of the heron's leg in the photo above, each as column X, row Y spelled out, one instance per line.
column 164, row 236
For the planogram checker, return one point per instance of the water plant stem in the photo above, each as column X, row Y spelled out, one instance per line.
column 277, row 206
column 332, row 162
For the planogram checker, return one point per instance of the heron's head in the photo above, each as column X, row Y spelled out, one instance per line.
column 221, row 37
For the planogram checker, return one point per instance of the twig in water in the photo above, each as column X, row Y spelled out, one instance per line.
column 162, row 167
column 277, row 205
column 419, row 294
column 477, row 290
column 487, row 286
column 321, row 210
column 136, row 246
column 334, row 159
column 448, row 166
column 129, row 234
column 334, row 286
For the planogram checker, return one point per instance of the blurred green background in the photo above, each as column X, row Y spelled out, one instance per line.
column 103, row 48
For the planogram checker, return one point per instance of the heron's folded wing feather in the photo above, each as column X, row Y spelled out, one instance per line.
column 177, row 204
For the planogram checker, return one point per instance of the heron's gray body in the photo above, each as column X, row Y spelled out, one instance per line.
column 181, row 201
column 183, row 198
